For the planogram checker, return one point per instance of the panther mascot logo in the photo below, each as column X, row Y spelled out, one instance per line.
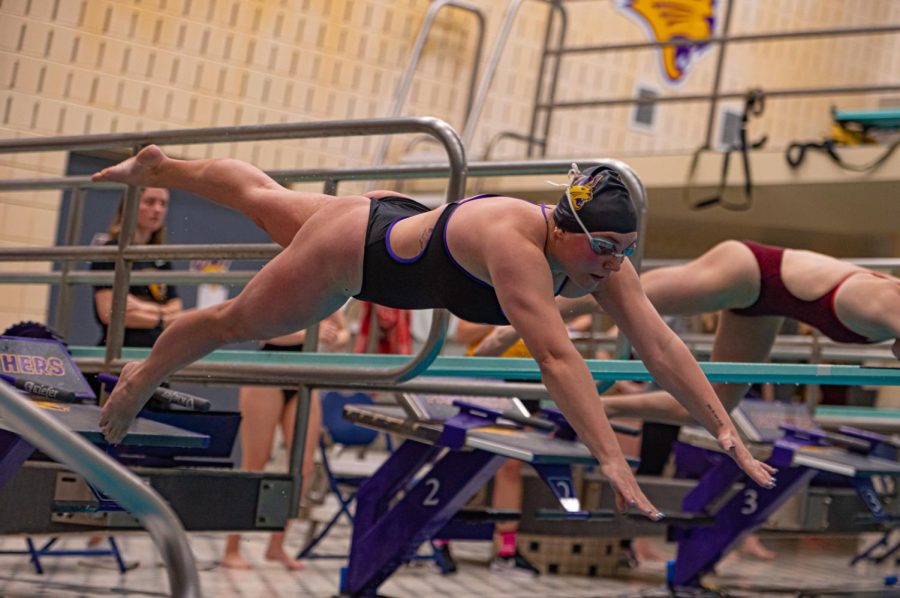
column 676, row 20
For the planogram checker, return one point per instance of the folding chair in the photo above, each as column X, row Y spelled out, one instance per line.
column 343, row 486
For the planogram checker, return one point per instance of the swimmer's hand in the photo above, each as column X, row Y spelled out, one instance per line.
column 121, row 407
column 628, row 493
column 761, row 473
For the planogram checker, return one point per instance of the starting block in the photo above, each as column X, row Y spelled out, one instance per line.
column 800, row 451
column 44, row 370
column 460, row 443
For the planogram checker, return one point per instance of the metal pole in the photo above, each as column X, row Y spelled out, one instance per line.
column 554, row 77
column 407, row 77
column 246, row 251
column 63, row 316
column 115, row 332
column 717, row 78
column 734, row 95
column 270, row 132
column 298, row 446
column 724, row 39
column 487, row 78
column 538, row 89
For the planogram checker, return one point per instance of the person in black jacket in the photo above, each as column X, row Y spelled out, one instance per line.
column 150, row 308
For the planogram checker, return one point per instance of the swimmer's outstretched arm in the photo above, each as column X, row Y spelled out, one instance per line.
column 672, row 365
column 522, row 291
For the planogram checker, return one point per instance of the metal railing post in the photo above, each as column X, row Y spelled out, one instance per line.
column 717, row 77
column 410, row 71
column 556, row 8
column 487, row 78
column 63, row 317
column 115, row 332
column 298, row 446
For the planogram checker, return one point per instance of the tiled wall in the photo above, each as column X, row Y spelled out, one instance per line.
column 71, row 67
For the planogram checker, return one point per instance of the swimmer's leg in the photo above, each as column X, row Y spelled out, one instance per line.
column 232, row 183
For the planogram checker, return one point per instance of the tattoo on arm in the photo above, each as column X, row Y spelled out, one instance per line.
column 714, row 415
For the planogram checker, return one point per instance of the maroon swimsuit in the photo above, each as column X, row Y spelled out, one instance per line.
column 775, row 299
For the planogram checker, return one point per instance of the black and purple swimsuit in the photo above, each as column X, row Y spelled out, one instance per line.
column 429, row 280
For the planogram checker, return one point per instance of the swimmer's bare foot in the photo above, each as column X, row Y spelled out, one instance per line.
column 235, row 561
column 646, row 551
column 280, row 556
column 137, row 170
column 754, row 548
column 123, row 405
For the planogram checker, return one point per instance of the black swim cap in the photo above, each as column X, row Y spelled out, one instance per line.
column 602, row 202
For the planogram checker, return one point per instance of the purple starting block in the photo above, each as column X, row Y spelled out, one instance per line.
column 799, row 456
column 399, row 508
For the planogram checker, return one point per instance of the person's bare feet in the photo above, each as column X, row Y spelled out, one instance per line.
column 123, row 405
column 137, row 170
column 235, row 561
column 280, row 556
column 753, row 547
column 646, row 551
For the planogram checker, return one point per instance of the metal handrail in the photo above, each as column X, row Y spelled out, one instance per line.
column 731, row 95
column 242, row 276
column 715, row 93
column 61, row 253
column 725, row 39
column 812, row 348
column 554, row 81
column 874, row 263
column 270, row 132
column 51, row 437
column 229, row 371
column 407, row 78
column 431, row 126
column 107, row 277
column 487, row 78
